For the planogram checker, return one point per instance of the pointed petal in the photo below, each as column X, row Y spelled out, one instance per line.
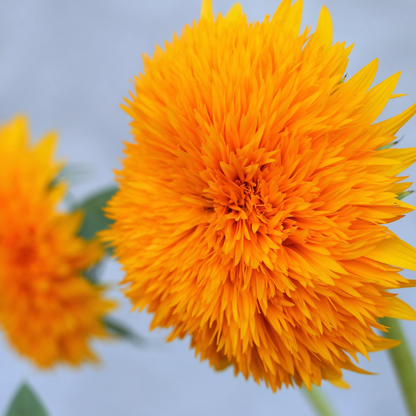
column 206, row 10
column 383, row 344
column 45, row 148
column 324, row 28
column 397, row 96
column 282, row 11
column 405, row 205
column 352, row 367
column 377, row 98
column 322, row 35
column 19, row 130
column 339, row 382
column 395, row 252
column 401, row 310
column 362, row 80
column 406, row 157
column 392, row 125
column 290, row 24
column 235, row 13
column 409, row 283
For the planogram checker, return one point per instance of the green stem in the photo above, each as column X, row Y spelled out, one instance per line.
column 403, row 363
column 318, row 401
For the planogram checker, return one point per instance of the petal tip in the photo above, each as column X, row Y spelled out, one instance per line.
column 206, row 10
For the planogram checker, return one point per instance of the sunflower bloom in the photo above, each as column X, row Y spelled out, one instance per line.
column 254, row 199
column 48, row 311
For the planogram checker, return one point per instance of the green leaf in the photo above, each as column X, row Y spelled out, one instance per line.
column 404, row 194
column 26, row 403
column 343, row 79
column 389, row 145
column 94, row 216
column 92, row 274
column 120, row 330
column 73, row 174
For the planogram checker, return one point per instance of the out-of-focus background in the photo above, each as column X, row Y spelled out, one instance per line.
column 68, row 65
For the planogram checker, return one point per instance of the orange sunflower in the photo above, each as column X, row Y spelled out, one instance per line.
column 254, row 199
column 48, row 310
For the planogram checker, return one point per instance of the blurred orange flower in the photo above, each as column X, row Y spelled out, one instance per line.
column 48, row 311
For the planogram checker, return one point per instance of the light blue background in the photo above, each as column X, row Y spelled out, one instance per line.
column 67, row 65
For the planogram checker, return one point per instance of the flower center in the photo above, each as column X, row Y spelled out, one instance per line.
column 249, row 200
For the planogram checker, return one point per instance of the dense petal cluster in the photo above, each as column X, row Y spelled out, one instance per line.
column 48, row 310
column 254, row 199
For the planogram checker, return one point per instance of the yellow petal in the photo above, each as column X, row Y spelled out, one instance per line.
column 377, row 98
column 409, row 283
column 383, row 344
column 395, row 252
column 324, row 28
column 339, row 382
column 352, row 367
column 206, row 10
column 397, row 96
column 19, row 130
column 235, row 13
column 401, row 310
column 403, row 204
column 289, row 18
column 406, row 157
column 282, row 11
column 392, row 125
column 45, row 148
column 362, row 80
column 323, row 33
